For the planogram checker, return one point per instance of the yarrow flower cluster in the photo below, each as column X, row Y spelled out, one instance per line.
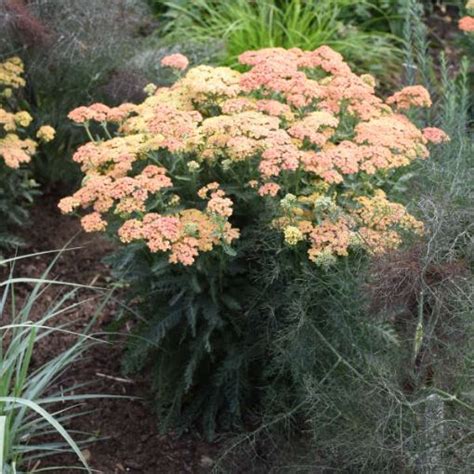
column 175, row 61
column 14, row 149
column 466, row 24
column 308, row 139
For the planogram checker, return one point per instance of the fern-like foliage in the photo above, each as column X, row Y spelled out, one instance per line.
column 197, row 336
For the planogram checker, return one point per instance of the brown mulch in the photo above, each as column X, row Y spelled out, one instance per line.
column 129, row 439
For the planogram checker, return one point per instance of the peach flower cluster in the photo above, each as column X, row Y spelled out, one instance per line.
column 310, row 140
column 466, row 24
column 175, row 61
column 14, row 149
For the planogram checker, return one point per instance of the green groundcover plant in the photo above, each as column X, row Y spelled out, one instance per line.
column 208, row 180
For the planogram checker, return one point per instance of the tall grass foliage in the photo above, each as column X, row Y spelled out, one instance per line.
column 34, row 408
column 362, row 33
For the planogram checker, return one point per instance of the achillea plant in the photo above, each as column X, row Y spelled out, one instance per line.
column 297, row 150
column 16, row 148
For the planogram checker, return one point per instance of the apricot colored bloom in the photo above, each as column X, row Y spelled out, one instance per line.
column 435, row 135
column 411, row 96
column 80, row 115
column 16, row 151
column 204, row 83
column 100, row 113
column 93, row 222
column 183, row 235
column 175, row 61
column 269, row 189
column 466, row 24
column 330, row 236
column 275, row 108
column 237, row 105
column 379, row 220
column 68, row 204
column 398, row 134
column 7, row 120
column 203, row 193
column 46, row 133
column 316, row 127
column 219, row 204
column 166, row 126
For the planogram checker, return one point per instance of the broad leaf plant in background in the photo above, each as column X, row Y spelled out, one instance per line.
column 297, row 154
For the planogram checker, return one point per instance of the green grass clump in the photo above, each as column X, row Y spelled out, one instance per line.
column 34, row 410
column 361, row 33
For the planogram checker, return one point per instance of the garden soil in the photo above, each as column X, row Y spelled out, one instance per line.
column 128, row 439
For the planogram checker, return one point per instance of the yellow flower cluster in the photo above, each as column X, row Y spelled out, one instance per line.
column 298, row 124
column 13, row 149
column 11, row 73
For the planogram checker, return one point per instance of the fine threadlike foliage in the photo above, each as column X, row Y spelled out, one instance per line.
column 31, row 399
column 360, row 33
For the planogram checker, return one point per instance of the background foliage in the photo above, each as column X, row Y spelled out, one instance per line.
column 364, row 34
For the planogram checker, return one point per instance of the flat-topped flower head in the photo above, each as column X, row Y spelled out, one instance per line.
column 46, row 133
column 466, row 24
column 175, row 61
column 11, row 73
column 435, row 135
column 411, row 96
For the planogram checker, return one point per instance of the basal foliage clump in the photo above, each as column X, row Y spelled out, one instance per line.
column 295, row 157
column 16, row 149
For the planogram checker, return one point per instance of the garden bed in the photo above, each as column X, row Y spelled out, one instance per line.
column 130, row 438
